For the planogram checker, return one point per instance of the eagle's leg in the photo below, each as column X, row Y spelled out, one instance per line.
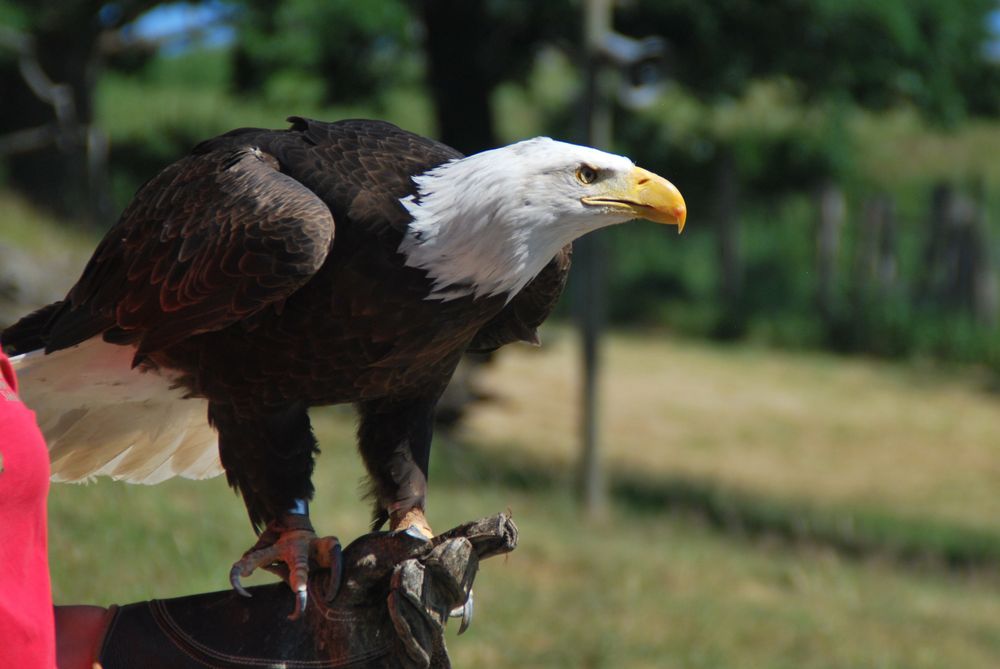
column 395, row 442
column 267, row 453
column 394, row 438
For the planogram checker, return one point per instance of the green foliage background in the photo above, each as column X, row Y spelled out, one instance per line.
column 797, row 92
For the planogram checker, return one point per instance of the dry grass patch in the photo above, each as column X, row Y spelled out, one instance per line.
column 852, row 432
column 649, row 591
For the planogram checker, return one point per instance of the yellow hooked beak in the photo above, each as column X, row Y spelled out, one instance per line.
column 644, row 195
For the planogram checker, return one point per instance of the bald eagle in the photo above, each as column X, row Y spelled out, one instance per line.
column 274, row 270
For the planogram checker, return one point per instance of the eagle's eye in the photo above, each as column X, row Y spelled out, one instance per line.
column 586, row 174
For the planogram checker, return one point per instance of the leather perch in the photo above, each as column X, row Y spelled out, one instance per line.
column 394, row 600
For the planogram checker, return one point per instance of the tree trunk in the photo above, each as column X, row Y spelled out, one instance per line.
column 57, row 173
column 831, row 210
column 460, row 86
column 48, row 78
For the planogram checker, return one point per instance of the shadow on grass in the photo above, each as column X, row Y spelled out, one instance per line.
column 853, row 533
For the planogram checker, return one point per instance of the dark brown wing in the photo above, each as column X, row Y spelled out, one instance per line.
column 520, row 319
column 361, row 168
column 231, row 230
column 213, row 239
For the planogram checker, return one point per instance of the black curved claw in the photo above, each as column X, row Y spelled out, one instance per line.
column 301, row 599
column 465, row 612
column 234, row 580
column 336, row 573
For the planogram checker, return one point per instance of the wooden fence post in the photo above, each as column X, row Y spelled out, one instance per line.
column 729, row 246
column 876, row 266
column 831, row 211
column 958, row 268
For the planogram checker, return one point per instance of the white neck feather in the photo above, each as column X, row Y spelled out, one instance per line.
column 485, row 225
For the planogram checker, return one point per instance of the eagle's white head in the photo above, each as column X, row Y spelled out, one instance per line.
column 488, row 223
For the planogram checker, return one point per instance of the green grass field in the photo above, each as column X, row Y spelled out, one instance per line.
column 804, row 437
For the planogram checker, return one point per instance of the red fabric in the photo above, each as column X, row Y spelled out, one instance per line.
column 27, row 625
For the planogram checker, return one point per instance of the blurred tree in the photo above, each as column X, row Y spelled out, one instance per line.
column 473, row 47
column 765, row 101
column 811, row 63
column 825, row 58
column 879, row 54
column 50, row 56
column 342, row 52
column 304, row 52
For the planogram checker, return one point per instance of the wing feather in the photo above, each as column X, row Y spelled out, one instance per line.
column 211, row 240
column 229, row 232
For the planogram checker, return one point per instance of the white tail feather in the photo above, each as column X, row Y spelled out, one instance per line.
column 100, row 417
